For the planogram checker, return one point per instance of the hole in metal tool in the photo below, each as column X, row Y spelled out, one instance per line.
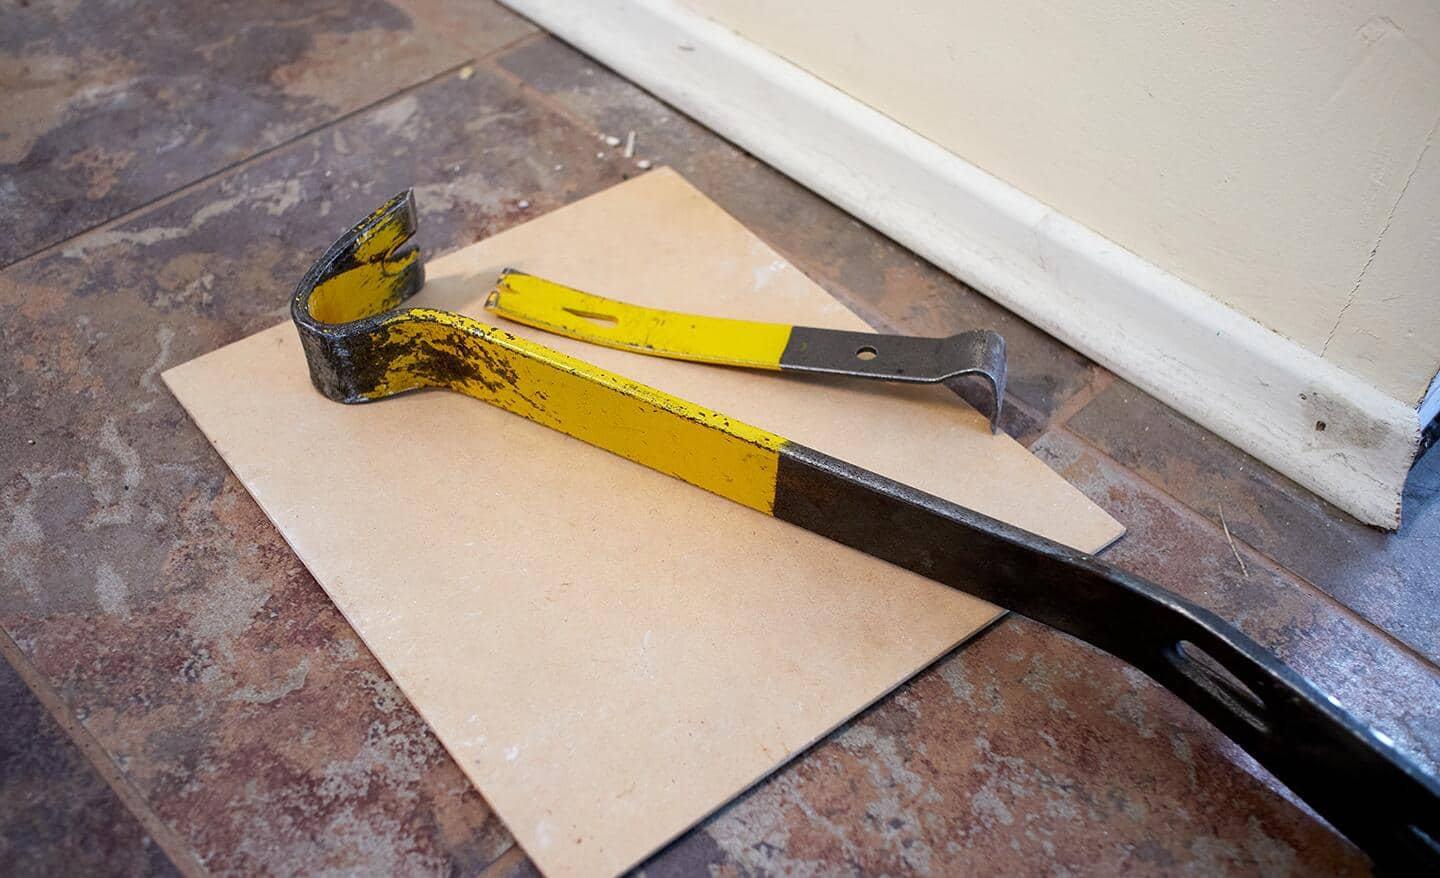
column 593, row 317
column 866, row 353
column 1205, row 670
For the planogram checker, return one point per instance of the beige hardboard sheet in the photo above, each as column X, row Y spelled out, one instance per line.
column 608, row 653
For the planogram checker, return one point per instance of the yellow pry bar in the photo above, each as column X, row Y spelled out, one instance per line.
column 565, row 311
column 636, row 421
column 361, row 347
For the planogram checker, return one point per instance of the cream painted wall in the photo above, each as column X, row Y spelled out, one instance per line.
column 1274, row 154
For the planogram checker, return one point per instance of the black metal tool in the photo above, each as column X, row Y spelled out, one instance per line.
column 361, row 346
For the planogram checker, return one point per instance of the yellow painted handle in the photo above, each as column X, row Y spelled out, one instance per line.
column 545, row 305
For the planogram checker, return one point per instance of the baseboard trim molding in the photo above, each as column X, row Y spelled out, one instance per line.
column 1335, row 434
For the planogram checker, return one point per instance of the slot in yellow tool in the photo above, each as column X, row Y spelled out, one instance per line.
column 544, row 304
column 361, row 346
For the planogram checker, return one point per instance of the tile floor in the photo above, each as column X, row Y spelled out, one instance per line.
column 179, row 695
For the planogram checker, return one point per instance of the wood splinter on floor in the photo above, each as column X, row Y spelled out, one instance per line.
column 1231, row 540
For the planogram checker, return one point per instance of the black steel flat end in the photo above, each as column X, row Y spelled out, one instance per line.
column 982, row 352
column 903, row 358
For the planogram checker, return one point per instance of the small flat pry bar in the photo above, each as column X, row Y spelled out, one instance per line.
column 553, row 307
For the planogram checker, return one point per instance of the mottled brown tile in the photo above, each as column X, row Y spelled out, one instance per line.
column 57, row 815
column 142, row 581
column 1021, row 424
column 889, row 286
column 1025, row 753
column 514, row 864
column 139, row 577
column 476, row 27
column 112, row 105
column 1391, row 579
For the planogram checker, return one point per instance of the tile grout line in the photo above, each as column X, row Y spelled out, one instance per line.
column 1098, row 384
column 179, row 850
column 545, row 100
column 231, row 170
column 534, row 36
column 167, row 197
column 439, row 31
column 1264, row 559
column 1013, row 400
column 501, row 866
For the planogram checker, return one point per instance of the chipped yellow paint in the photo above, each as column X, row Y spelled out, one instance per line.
column 430, row 348
column 545, row 305
column 365, row 286
column 412, row 348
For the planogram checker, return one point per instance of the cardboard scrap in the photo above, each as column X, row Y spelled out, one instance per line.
column 608, row 653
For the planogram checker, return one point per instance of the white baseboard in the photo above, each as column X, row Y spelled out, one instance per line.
column 1429, row 408
column 1262, row 392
